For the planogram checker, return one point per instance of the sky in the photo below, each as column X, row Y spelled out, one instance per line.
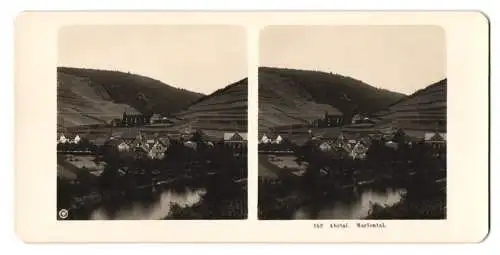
column 197, row 58
column 399, row 58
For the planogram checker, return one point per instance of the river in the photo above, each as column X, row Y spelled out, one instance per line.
column 357, row 206
column 159, row 209
column 216, row 196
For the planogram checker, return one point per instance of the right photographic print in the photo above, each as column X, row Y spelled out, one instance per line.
column 352, row 122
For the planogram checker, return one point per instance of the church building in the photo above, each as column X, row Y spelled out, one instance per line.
column 134, row 120
column 329, row 120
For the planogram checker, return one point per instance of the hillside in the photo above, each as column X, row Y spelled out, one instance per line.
column 89, row 96
column 83, row 102
column 423, row 110
column 289, row 96
column 225, row 109
column 284, row 102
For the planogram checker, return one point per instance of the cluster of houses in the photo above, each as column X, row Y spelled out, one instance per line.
column 154, row 146
column 355, row 148
column 355, row 145
column 74, row 143
column 267, row 139
column 62, row 139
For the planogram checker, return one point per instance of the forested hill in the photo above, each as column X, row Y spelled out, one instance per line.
column 290, row 96
column 90, row 96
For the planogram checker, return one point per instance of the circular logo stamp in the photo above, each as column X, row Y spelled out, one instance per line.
column 63, row 213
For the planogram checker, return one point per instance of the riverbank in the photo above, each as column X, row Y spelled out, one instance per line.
column 136, row 188
column 387, row 190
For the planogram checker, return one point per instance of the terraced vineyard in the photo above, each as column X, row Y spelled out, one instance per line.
column 423, row 110
column 226, row 109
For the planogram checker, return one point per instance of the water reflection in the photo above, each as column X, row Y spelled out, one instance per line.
column 159, row 209
column 356, row 209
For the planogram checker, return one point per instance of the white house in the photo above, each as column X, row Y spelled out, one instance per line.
column 325, row 146
column 62, row 139
column 123, row 147
column 279, row 139
column 77, row 139
column 265, row 139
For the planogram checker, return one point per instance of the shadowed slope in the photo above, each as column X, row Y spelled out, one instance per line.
column 289, row 96
column 89, row 96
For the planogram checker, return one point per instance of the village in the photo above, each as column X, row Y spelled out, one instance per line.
column 129, row 164
column 332, row 158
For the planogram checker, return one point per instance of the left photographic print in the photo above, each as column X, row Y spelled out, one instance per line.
column 152, row 122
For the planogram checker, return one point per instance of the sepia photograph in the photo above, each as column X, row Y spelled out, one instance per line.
column 352, row 122
column 151, row 122
column 251, row 127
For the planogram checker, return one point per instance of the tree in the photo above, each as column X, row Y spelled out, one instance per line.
column 375, row 151
column 400, row 137
column 198, row 137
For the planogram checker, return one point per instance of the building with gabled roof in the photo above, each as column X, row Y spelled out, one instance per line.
column 278, row 139
column 264, row 139
column 435, row 139
column 236, row 140
column 62, row 139
column 235, row 137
